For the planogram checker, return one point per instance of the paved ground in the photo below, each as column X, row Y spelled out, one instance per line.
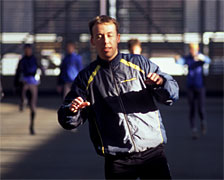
column 54, row 153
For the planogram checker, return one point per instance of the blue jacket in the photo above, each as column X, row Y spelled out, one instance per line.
column 195, row 70
column 27, row 68
column 70, row 67
column 123, row 117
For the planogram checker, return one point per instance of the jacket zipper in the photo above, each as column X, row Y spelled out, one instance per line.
column 123, row 108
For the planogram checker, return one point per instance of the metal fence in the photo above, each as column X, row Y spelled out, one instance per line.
column 165, row 27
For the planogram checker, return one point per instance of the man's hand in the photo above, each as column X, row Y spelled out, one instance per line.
column 153, row 78
column 199, row 57
column 77, row 104
column 177, row 57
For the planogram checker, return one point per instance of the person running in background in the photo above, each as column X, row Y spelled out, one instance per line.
column 1, row 89
column 70, row 67
column 195, row 86
column 134, row 46
column 25, row 79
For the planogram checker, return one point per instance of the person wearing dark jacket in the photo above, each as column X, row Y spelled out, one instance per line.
column 116, row 94
column 25, row 79
column 70, row 67
column 195, row 86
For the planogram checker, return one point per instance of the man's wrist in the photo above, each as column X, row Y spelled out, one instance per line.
column 163, row 81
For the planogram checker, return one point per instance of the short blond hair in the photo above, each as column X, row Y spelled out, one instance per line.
column 101, row 20
column 194, row 46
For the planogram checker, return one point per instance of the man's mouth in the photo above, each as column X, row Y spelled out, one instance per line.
column 106, row 49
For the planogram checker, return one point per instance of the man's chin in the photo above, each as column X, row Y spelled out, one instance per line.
column 106, row 57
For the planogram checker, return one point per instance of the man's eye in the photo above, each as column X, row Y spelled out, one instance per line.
column 99, row 36
column 110, row 35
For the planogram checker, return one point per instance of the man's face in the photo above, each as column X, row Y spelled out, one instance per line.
column 105, row 38
column 70, row 48
column 194, row 51
column 28, row 51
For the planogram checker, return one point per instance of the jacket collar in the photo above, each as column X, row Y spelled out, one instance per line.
column 113, row 62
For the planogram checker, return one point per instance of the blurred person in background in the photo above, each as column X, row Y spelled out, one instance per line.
column 115, row 93
column 1, row 89
column 195, row 86
column 26, row 81
column 134, row 46
column 70, row 66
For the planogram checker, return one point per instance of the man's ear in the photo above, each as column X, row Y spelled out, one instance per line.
column 92, row 42
column 118, row 38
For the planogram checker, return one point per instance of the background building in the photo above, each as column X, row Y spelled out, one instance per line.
column 165, row 28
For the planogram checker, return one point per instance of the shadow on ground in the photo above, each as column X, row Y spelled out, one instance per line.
column 66, row 155
column 70, row 155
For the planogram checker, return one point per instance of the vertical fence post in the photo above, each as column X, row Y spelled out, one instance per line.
column 103, row 7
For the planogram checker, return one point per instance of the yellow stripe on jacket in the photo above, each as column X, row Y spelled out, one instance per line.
column 92, row 76
column 130, row 64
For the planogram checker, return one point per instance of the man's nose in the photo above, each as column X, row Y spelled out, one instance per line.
column 106, row 39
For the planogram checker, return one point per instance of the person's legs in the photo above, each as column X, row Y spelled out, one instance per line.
column 34, row 92
column 201, row 109
column 120, row 169
column 150, row 164
column 24, row 89
column 155, row 168
column 191, row 101
column 192, row 97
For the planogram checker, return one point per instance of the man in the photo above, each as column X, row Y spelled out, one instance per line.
column 25, row 80
column 134, row 46
column 70, row 67
column 115, row 93
column 195, row 86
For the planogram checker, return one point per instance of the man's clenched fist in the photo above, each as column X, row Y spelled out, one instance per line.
column 153, row 78
column 77, row 104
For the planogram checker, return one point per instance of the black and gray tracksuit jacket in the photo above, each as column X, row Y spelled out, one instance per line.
column 123, row 117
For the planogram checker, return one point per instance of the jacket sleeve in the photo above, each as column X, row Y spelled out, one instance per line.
column 181, row 61
column 207, row 60
column 166, row 93
column 66, row 118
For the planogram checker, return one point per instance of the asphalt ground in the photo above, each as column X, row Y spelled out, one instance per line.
column 54, row 153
